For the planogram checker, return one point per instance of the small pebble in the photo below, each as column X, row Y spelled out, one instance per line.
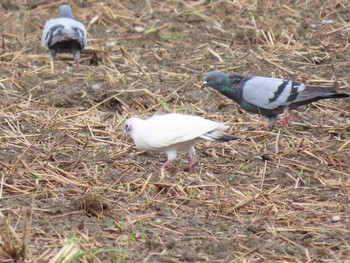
column 111, row 44
column 139, row 29
column 313, row 26
column 96, row 87
column 159, row 221
column 217, row 24
column 327, row 21
column 335, row 219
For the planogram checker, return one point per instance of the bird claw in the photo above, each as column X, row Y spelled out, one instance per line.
column 166, row 165
column 285, row 122
column 77, row 65
column 76, row 61
column 162, row 169
column 192, row 164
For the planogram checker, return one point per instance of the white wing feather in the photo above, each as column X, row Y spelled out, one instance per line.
column 166, row 130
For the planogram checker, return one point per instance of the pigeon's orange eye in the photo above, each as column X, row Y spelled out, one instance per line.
column 212, row 78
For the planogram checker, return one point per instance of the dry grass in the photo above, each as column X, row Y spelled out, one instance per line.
column 73, row 188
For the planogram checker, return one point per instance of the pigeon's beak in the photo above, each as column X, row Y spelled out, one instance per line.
column 128, row 128
column 204, row 84
column 127, row 131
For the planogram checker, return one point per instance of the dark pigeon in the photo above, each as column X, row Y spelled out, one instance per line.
column 64, row 34
column 267, row 96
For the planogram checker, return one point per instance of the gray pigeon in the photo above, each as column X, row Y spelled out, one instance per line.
column 267, row 96
column 175, row 132
column 64, row 34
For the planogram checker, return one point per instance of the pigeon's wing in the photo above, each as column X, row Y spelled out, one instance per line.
column 56, row 25
column 166, row 130
column 271, row 93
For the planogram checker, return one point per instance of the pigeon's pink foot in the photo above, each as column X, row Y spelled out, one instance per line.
column 77, row 65
column 285, row 122
column 166, row 165
column 76, row 62
column 192, row 163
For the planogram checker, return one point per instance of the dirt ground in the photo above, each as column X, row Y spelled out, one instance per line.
column 73, row 188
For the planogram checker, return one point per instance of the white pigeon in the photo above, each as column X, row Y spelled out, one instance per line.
column 64, row 34
column 175, row 132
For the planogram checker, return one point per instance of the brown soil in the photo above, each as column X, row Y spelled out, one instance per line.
column 73, row 188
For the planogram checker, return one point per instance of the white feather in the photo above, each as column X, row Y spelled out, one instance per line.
column 160, row 133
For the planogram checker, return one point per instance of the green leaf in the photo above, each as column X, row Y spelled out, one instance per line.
column 174, row 35
column 165, row 105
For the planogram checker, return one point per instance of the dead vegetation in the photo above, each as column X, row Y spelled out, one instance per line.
column 73, row 188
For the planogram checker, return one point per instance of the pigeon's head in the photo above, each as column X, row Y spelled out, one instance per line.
column 216, row 80
column 65, row 11
column 129, row 126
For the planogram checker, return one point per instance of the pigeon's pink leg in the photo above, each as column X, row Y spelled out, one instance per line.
column 285, row 122
column 76, row 55
column 192, row 162
column 166, row 164
column 77, row 65
column 171, row 155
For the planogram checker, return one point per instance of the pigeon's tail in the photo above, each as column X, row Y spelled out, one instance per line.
column 67, row 34
column 335, row 95
column 333, row 92
column 314, row 93
column 65, row 40
column 58, row 34
column 216, row 135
